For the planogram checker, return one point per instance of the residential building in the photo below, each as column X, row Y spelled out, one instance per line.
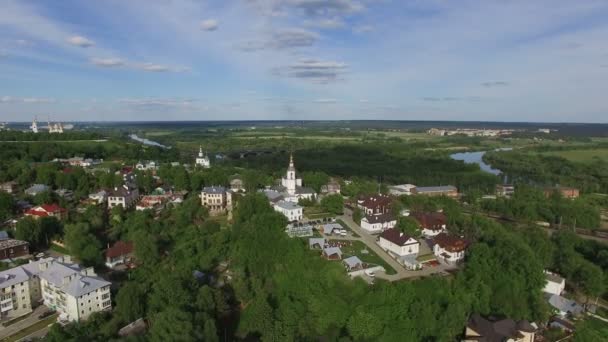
column 505, row 190
column 202, row 160
column 120, row 253
column 332, row 187
column 147, row 166
column 124, row 196
column 11, row 249
column 99, row 197
column 331, row 228
column 565, row 192
column 66, row 194
column 236, row 185
column 449, row 248
column 444, row 190
column 398, row 243
column 292, row 211
column 555, row 284
column 316, row 243
column 564, row 306
column 217, row 199
column 353, row 263
column 75, row 293
column 378, row 223
column 332, row 253
column 431, row 224
column 36, row 189
column 375, row 204
column 47, row 210
column 9, row 187
column 480, row 329
column 402, row 189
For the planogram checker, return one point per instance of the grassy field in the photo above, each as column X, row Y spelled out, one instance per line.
column 370, row 258
column 580, row 155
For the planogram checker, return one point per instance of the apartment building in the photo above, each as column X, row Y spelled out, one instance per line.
column 74, row 292
column 217, row 199
column 124, row 196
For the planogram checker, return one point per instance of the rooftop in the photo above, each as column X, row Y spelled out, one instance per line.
column 10, row 243
column 397, row 237
column 214, row 190
column 450, row 243
column 441, row 188
column 287, row 205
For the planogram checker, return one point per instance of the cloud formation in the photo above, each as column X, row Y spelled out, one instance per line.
column 148, row 67
column 209, row 25
column 325, row 7
column 325, row 101
column 30, row 100
column 495, row 84
column 80, row 41
column 314, row 70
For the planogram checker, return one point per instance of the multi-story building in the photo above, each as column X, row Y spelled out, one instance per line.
column 47, row 210
column 505, row 190
column 9, row 187
column 431, row 224
column 292, row 211
column 74, row 292
column 202, row 159
column 375, row 205
column 217, row 199
column 444, row 190
column 11, row 248
column 124, row 196
column 398, row 243
column 378, row 223
column 449, row 248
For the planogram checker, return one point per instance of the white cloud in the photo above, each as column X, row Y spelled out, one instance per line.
column 209, row 25
column 107, row 62
column 80, row 41
column 325, row 101
column 29, row 100
column 363, row 29
column 326, row 23
column 314, row 70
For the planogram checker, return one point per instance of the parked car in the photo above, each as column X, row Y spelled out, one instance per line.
column 46, row 314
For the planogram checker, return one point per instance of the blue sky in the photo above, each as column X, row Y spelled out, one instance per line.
column 519, row 60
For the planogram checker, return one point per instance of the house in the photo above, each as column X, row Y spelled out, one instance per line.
column 147, row 166
column 565, row 192
column 216, row 199
column 564, row 306
column 124, row 196
column 353, row 263
column 150, row 202
column 378, row 223
column 375, row 204
column 431, row 224
column 9, row 187
column 299, row 230
column 99, row 197
column 332, row 253
column 555, row 284
column 331, row 228
column 316, row 243
column 236, row 185
column 480, row 329
column 446, row 190
column 11, row 249
column 398, row 243
column 120, row 253
column 332, row 187
column 66, row 194
column 505, row 190
column 402, row 189
column 449, row 248
column 75, row 293
column 292, row 211
column 47, row 210
column 36, row 189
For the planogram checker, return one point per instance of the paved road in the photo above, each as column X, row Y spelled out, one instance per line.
column 31, row 319
column 38, row 334
column 370, row 242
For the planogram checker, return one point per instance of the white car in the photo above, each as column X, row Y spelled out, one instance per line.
column 343, row 233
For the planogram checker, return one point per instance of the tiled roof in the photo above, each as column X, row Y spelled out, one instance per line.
column 120, row 248
column 380, row 218
column 432, row 221
column 450, row 243
column 395, row 236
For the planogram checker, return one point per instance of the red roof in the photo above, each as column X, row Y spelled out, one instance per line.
column 377, row 201
column 451, row 243
column 396, row 236
column 44, row 210
column 120, row 248
column 432, row 221
column 52, row 208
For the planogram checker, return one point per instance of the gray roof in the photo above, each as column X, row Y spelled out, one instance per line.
column 332, row 250
column 11, row 243
column 272, row 195
column 13, row 276
column 36, row 188
column 330, row 227
column 353, row 261
column 565, row 305
column 552, row 277
column 288, row 205
column 316, row 241
column 436, row 188
column 214, row 189
column 304, row 190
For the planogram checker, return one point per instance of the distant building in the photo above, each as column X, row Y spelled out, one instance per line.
column 99, row 197
column 299, row 230
column 290, row 210
column 9, row 187
column 120, row 253
column 332, row 187
column 202, row 159
column 11, row 249
column 402, row 189
column 353, row 263
column 55, row 128
column 291, row 189
column 236, row 184
column 555, row 284
column 449, row 248
column 75, row 293
column 124, row 196
column 36, row 189
column 431, row 224
column 565, row 192
column 332, row 253
column 564, row 306
column 505, row 190
column 316, row 243
column 375, row 204
column 378, row 223
column 398, row 243
column 47, row 210
column 147, row 166
column 445, row 190
column 487, row 330
column 217, row 199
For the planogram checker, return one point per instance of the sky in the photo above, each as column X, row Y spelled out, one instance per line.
column 487, row 60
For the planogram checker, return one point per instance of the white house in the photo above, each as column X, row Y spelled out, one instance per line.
column 397, row 243
column 150, row 165
column 448, row 248
column 217, row 199
column 401, row 189
column 292, row 211
column 202, row 159
column 291, row 186
column 555, row 284
column 99, row 197
column 124, row 196
column 432, row 224
column 378, row 223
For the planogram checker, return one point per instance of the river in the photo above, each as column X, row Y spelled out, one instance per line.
column 147, row 141
column 477, row 158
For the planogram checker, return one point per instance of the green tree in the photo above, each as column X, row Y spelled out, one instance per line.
column 333, row 204
column 7, row 205
column 409, row 226
column 83, row 244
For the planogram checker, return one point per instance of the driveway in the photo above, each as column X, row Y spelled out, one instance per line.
column 370, row 242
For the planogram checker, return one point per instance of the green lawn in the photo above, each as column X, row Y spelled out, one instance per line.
column 370, row 257
column 580, row 155
column 32, row 329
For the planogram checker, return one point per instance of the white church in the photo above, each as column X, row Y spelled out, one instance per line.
column 291, row 189
column 202, row 159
